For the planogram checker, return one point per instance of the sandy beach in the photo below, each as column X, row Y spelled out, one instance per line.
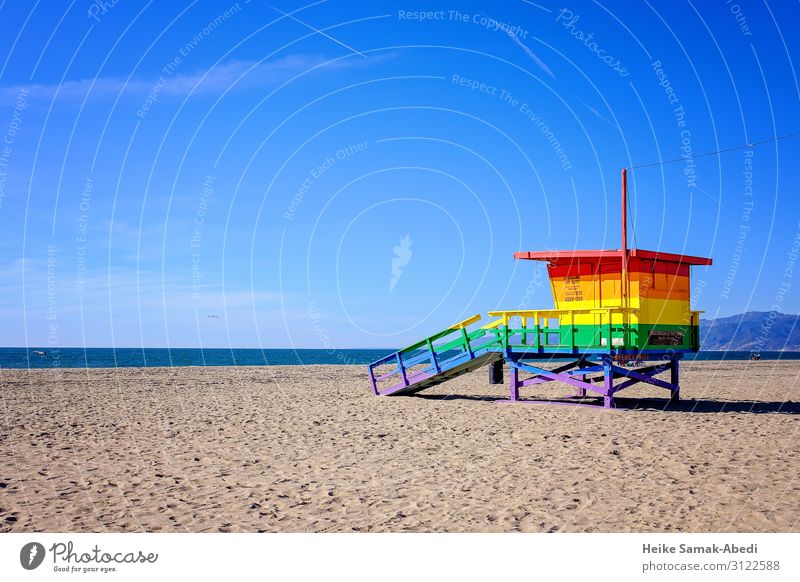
column 288, row 449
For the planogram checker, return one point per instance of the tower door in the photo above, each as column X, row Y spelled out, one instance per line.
column 610, row 286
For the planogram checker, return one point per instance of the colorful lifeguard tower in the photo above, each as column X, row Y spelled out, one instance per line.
column 621, row 317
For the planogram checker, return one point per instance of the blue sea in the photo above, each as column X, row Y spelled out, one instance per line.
column 175, row 357
column 163, row 357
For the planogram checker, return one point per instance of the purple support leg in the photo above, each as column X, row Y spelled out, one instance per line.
column 514, row 382
column 673, row 379
column 608, row 384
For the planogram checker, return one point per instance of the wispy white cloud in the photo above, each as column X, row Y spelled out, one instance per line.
column 595, row 112
column 235, row 73
column 533, row 56
column 149, row 289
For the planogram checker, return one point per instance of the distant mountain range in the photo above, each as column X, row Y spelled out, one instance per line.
column 755, row 331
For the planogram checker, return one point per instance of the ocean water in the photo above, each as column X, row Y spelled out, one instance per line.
column 174, row 357
column 169, row 357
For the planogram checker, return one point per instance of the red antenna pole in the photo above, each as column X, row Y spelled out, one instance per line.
column 624, row 238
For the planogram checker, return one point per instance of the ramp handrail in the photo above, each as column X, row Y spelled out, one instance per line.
column 425, row 351
column 606, row 322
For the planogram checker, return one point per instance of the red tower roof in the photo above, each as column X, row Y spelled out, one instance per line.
column 563, row 257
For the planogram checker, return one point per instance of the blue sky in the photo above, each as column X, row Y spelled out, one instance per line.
column 358, row 174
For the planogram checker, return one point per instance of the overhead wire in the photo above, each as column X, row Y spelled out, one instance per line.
column 704, row 155
column 717, row 152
